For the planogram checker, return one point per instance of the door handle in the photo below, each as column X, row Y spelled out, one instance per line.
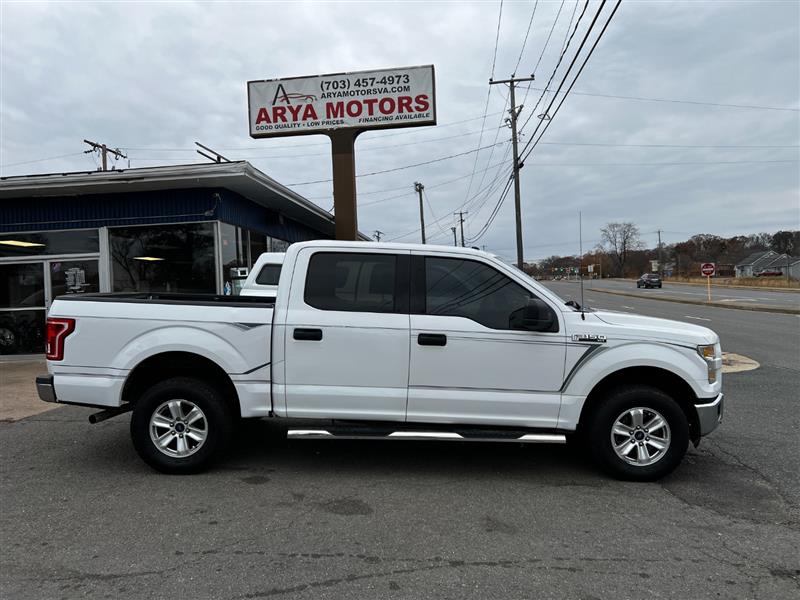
column 432, row 339
column 311, row 335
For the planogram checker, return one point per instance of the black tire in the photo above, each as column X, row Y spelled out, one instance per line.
column 615, row 404
column 217, row 421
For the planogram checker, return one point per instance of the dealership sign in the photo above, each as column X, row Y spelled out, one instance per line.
column 383, row 99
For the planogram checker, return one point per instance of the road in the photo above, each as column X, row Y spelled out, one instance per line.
column 84, row 517
column 698, row 293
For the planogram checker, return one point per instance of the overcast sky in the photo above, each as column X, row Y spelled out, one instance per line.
column 152, row 78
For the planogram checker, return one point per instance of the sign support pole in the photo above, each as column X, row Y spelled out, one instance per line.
column 344, row 182
column 708, row 280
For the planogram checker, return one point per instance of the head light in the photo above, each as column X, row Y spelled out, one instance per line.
column 707, row 351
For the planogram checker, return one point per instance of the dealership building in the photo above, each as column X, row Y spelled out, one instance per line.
column 189, row 228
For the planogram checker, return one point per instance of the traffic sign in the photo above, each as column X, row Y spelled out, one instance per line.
column 708, row 269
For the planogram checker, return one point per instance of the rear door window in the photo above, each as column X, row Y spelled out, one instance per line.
column 352, row 281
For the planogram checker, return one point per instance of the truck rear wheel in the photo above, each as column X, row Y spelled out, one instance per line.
column 180, row 425
column 638, row 433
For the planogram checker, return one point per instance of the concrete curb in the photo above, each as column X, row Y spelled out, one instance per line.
column 751, row 307
column 721, row 286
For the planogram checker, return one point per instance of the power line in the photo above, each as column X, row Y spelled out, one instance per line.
column 674, row 101
column 433, row 214
column 497, row 38
column 486, row 106
column 438, row 220
column 493, row 214
column 717, row 146
column 563, row 80
column 549, row 35
column 427, row 162
column 383, row 135
column 558, row 64
column 38, row 160
column 544, row 48
column 659, row 164
column 525, row 41
column 567, row 36
column 304, row 155
column 449, row 181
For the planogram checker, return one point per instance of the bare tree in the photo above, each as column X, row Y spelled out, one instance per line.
column 619, row 239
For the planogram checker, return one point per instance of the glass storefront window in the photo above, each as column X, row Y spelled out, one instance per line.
column 74, row 277
column 22, row 285
column 258, row 245
column 83, row 241
column 22, row 331
column 276, row 245
column 235, row 266
column 166, row 258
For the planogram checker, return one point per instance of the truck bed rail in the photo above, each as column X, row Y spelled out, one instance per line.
column 171, row 298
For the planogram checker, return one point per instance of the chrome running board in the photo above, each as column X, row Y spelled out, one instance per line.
column 324, row 434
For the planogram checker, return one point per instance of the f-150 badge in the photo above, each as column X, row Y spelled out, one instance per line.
column 589, row 337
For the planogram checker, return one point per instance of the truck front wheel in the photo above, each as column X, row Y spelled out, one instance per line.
column 638, row 433
column 180, row 425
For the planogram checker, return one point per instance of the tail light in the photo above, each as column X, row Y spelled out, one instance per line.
column 57, row 332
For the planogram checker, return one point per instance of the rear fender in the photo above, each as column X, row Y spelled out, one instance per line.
column 182, row 338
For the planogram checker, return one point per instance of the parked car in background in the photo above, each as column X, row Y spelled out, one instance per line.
column 769, row 273
column 649, row 280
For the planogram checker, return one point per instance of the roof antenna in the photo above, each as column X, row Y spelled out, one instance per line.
column 580, row 261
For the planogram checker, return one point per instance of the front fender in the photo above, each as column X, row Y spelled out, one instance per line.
column 683, row 362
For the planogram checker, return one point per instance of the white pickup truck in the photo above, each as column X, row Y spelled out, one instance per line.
column 393, row 341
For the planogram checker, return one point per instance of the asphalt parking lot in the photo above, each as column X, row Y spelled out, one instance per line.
column 84, row 517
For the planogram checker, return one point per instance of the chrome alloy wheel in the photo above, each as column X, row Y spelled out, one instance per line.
column 640, row 436
column 178, row 428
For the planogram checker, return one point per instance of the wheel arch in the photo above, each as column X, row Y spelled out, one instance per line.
column 166, row 365
column 662, row 379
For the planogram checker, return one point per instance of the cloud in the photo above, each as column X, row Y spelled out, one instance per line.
column 153, row 78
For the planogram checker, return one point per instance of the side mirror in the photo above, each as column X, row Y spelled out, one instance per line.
column 536, row 316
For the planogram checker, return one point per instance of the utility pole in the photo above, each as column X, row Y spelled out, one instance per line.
column 104, row 151
column 660, row 266
column 418, row 187
column 455, row 239
column 514, row 112
column 377, row 235
column 461, row 214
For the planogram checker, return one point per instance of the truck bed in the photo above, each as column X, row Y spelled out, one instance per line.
column 114, row 333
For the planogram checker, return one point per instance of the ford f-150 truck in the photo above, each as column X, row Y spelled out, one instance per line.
column 379, row 340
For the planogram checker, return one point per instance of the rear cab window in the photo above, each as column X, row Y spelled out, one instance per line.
column 269, row 275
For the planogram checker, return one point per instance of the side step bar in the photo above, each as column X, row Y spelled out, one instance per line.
column 324, row 434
